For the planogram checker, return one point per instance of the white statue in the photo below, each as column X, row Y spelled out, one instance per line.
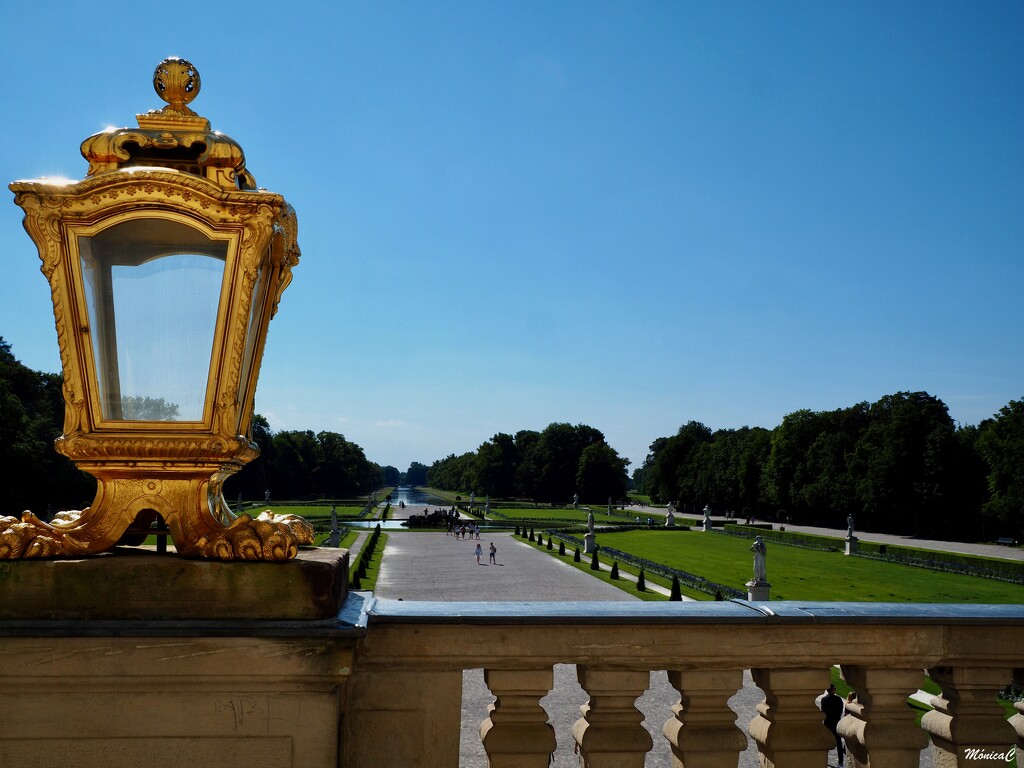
column 575, row 501
column 590, row 521
column 760, row 554
column 670, row 518
column 707, row 517
column 849, row 526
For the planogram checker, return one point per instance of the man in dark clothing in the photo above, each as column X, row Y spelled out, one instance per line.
column 832, row 707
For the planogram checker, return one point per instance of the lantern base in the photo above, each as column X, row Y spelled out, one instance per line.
column 188, row 499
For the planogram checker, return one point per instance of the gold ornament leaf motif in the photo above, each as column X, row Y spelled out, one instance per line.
column 301, row 527
column 248, row 539
column 30, row 537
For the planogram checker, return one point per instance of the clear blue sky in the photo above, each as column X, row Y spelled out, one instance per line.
column 628, row 215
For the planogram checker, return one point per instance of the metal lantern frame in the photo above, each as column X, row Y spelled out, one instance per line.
column 172, row 172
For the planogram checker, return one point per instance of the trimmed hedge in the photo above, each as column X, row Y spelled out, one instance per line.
column 789, row 538
column 949, row 562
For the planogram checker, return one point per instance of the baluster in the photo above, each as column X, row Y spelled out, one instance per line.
column 516, row 733
column 610, row 734
column 879, row 728
column 1017, row 721
column 788, row 729
column 703, row 733
column 967, row 724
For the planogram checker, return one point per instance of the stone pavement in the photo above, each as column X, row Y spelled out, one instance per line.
column 422, row 565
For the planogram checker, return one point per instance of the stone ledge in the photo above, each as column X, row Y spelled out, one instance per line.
column 134, row 584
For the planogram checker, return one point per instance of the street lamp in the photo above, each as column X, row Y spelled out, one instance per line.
column 165, row 264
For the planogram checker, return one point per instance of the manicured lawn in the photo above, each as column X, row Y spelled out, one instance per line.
column 802, row 574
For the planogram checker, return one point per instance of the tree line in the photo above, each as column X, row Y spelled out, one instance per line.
column 898, row 465
column 301, row 464
column 549, row 466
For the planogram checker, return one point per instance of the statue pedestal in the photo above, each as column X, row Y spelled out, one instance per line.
column 757, row 591
column 670, row 521
column 851, row 545
column 132, row 658
column 590, row 543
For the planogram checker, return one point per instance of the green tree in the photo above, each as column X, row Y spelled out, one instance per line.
column 291, row 475
column 601, row 474
column 416, row 474
column 902, row 463
column 35, row 476
column 527, row 442
column 1000, row 442
column 390, row 475
column 495, row 466
column 671, row 470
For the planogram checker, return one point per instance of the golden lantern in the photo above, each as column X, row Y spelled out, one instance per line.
column 165, row 264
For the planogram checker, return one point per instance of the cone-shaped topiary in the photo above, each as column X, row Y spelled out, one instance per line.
column 531, row 535
column 615, row 570
column 641, row 582
column 561, row 548
column 551, row 544
column 576, row 555
column 595, row 564
column 677, row 592
column 517, row 530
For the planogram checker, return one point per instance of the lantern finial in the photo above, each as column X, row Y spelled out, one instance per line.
column 177, row 82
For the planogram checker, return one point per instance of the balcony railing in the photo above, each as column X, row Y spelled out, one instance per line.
column 404, row 704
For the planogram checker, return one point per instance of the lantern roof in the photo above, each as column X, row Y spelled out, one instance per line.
column 172, row 137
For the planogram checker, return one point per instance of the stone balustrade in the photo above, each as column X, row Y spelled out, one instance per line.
column 153, row 676
column 404, row 696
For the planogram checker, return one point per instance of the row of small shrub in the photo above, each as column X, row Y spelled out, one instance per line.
column 359, row 572
column 595, row 563
column 476, row 511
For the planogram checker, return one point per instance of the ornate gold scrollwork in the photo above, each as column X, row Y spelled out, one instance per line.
column 171, row 168
column 268, row 537
column 30, row 537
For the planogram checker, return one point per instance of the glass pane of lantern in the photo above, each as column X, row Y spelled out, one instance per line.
column 152, row 292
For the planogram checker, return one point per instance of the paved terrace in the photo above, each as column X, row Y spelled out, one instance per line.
column 434, row 566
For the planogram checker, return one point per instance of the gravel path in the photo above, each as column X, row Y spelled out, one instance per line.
column 434, row 566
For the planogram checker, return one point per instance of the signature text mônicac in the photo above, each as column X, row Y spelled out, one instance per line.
column 974, row 753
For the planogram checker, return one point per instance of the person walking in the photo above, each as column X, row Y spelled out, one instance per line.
column 832, row 707
column 478, row 552
column 491, row 556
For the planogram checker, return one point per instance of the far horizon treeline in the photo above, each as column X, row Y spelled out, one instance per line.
column 898, row 465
